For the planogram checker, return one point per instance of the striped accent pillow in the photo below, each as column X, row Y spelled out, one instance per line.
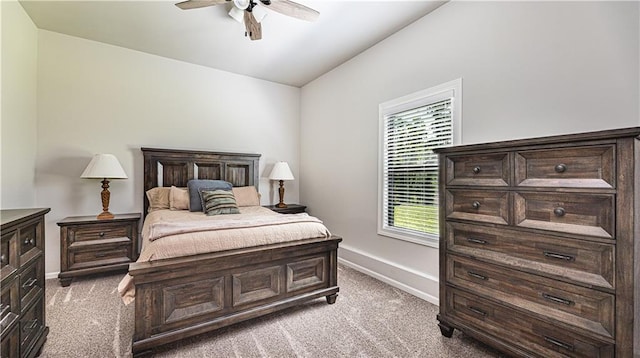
column 218, row 202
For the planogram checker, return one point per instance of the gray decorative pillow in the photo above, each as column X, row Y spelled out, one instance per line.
column 218, row 202
column 195, row 185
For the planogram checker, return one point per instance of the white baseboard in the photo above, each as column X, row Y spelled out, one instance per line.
column 376, row 267
column 51, row 275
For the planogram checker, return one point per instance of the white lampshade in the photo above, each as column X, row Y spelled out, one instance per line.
column 258, row 12
column 104, row 166
column 281, row 171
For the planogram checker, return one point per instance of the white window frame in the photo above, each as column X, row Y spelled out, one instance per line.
column 451, row 89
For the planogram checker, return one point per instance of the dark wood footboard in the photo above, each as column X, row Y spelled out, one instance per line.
column 183, row 297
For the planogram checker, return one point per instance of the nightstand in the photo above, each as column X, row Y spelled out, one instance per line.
column 290, row 209
column 89, row 245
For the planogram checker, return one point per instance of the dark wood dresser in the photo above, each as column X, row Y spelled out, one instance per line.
column 89, row 245
column 22, row 310
column 540, row 244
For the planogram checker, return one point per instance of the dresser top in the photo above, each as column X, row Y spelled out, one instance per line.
column 564, row 138
column 14, row 216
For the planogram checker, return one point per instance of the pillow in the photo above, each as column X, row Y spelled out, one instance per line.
column 178, row 198
column 219, row 202
column 246, row 195
column 194, row 185
column 158, row 198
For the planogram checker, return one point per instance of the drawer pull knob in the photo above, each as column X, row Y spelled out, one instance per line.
column 476, row 204
column 558, row 343
column 3, row 258
column 557, row 299
column 559, row 212
column 476, row 241
column 554, row 255
column 30, row 282
column 477, row 311
column 29, row 241
column 100, row 254
column 560, row 168
column 101, row 234
column 477, row 275
column 476, row 170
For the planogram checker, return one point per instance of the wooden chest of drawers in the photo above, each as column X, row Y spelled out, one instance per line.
column 89, row 245
column 540, row 244
column 22, row 307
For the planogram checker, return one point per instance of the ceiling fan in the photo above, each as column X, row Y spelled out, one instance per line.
column 250, row 7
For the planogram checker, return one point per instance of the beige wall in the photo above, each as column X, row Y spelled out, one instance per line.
column 98, row 98
column 19, row 115
column 528, row 69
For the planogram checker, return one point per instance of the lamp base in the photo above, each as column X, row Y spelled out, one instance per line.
column 105, row 215
column 281, row 205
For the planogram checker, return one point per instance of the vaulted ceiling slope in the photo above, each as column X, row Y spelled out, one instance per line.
column 292, row 51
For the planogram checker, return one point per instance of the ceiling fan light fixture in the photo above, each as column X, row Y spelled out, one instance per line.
column 241, row 4
column 237, row 14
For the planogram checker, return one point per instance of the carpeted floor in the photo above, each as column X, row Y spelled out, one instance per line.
column 369, row 319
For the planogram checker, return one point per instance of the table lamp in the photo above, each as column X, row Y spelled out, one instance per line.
column 105, row 167
column 281, row 172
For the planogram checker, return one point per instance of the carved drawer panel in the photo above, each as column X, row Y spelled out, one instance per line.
column 587, row 309
column 197, row 298
column 107, row 252
column 31, row 325
column 478, row 170
column 30, row 241
column 583, row 167
column 477, row 205
column 256, row 285
column 582, row 214
column 10, row 343
column 307, row 273
column 585, row 262
column 527, row 332
column 31, row 283
column 9, row 305
column 99, row 232
column 9, row 253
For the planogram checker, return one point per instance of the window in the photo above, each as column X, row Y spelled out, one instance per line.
column 410, row 128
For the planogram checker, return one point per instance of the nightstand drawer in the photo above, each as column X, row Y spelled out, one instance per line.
column 99, row 232
column 115, row 251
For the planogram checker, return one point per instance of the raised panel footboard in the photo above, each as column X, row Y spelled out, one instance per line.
column 183, row 297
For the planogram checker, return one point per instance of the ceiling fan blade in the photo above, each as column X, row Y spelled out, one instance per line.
column 253, row 27
column 194, row 4
column 293, row 9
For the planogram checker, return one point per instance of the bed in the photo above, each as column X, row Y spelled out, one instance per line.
column 185, row 296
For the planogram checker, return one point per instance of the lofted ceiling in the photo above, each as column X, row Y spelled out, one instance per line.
column 292, row 51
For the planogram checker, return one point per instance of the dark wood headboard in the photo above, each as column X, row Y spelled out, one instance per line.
column 167, row 167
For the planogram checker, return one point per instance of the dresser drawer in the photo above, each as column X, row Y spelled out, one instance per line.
column 9, row 253
column 541, row 338
column 30, row 242
column 10, row 343
column 586, row 309
column 99, row 232
column 588, row 263
column 478, row 205
column 478, row 169
column 31, row 283
column 9, row 305
column 581, row 167
column 581, row 214
column 107, row 252
column 31, row 325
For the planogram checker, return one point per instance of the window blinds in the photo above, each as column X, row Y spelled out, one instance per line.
column 410, row 167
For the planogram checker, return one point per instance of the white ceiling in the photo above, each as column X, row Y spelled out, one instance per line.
column 291, row 51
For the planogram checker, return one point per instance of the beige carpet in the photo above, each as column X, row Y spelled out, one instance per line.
column 369, row 319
